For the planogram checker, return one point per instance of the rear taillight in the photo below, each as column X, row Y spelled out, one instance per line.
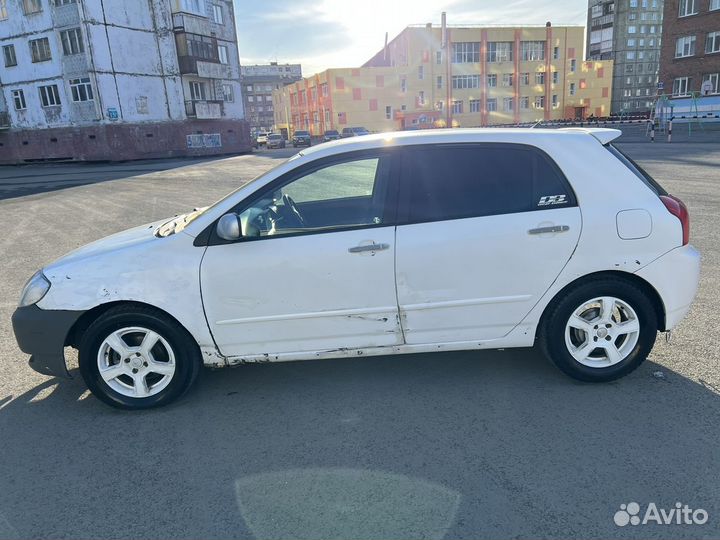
column 678, row 209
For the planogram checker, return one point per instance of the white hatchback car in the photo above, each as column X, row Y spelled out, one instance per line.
column 396, row 243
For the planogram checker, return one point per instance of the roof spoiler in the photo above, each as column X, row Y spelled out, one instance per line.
column 604, row 135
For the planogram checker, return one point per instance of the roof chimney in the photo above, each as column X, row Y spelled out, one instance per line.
column 444, row 30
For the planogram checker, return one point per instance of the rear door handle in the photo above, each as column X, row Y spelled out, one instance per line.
column 370, row 247
column 553, row 229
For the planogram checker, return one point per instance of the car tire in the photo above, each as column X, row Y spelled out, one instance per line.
column 600, row 330
column 136, row 374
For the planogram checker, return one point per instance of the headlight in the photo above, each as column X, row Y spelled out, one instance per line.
column 34, row 290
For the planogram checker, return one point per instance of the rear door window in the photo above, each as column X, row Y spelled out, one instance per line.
column 460, row 181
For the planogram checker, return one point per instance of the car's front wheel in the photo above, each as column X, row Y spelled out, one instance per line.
column 600, row 331
column 135, row 357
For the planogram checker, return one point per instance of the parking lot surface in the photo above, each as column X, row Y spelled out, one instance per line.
column 456, row 445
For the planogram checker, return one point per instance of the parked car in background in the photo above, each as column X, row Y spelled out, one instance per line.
column 275, row 140
column 354, row 132
column 261, row 138
column 484, row 238
column 301, row 138
column 331, row 135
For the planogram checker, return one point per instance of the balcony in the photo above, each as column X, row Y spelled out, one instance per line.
column 4, row 120
column 204, row 109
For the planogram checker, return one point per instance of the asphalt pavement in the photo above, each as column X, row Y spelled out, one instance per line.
column 476, row 444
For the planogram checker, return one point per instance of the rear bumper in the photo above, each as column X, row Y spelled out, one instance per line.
column 42, row 334
column 675, row 276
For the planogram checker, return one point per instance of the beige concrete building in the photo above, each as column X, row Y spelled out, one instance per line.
column 461, row 76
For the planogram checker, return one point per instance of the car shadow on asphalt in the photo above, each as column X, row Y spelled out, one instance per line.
column 459, row 445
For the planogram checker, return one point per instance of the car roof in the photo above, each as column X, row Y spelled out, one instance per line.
column 459, row 135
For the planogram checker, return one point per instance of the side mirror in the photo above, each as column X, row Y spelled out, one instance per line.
column 228, row 228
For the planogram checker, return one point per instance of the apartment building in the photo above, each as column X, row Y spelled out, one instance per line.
column 629, row 33
column 258, row 82
column 98, row 79
column 435, row 76
column 691, row 48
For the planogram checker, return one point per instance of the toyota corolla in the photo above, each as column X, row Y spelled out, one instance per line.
column 396, row 243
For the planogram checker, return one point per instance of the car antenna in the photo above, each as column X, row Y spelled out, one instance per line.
column 536, row 124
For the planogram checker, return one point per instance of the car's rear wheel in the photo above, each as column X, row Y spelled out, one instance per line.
column 135, row 357
column 600, row 330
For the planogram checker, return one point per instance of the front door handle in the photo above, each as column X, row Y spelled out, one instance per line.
column 369, row 247
column 553, row 229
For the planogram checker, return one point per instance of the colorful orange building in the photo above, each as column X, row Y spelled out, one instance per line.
column 463, row 76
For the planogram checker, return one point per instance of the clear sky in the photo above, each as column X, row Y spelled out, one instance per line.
column 321, row 34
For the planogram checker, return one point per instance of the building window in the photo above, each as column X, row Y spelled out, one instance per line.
column 457, row 106
column 81, row 89
column 712, row 82
column 40, row 50
column 474, row 105
column 685, row 46
column 439, row 82
column 555, row 102
column 524, row 103
column 223, row 54
column 388, row 112
column 572, row 88
column 192, row 6
column 9, row 55
column 714, row 4
column 421, row 72
column 466, row 52
column 421, row 97
column 632, row 29
column 492, row 80
column 539, row 102
column 460, row 82
column 556, row 77
column 492, row 104
column 3, row 10
column 533, row 51
column 403, row 85
column 438, row 56
column 49, row 95
column 630, row 55
column 32, row 6
column 327, row 116
column 217, row 13
column 197, row 91
column 508, row 104
column 65, row 2
column 197, row 46
column 228, row 93
column 681, row 86
column 251, row 99
column 507, row 79
column 573, row 65
column 525, row 79
column 687, row 7
column 540, row 77
column 439, row 105
column 324, row 89
column 712, row 43
column 556, row 53
column 19, row 100
column 499, row 51
column 72, row 42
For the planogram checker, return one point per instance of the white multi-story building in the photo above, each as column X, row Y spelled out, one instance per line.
column 140, row 79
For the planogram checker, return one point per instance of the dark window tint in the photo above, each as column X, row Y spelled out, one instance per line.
column 481, row 180
column 637, row 170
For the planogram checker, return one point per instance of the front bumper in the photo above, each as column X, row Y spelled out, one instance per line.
column 41, row 334
column 302, row 142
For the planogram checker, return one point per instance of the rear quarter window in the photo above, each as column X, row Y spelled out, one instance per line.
column 637, row 170
column 460, row 181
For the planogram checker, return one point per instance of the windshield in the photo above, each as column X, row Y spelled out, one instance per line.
column 274, row 137
column 301, row 133
column 179, row 223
